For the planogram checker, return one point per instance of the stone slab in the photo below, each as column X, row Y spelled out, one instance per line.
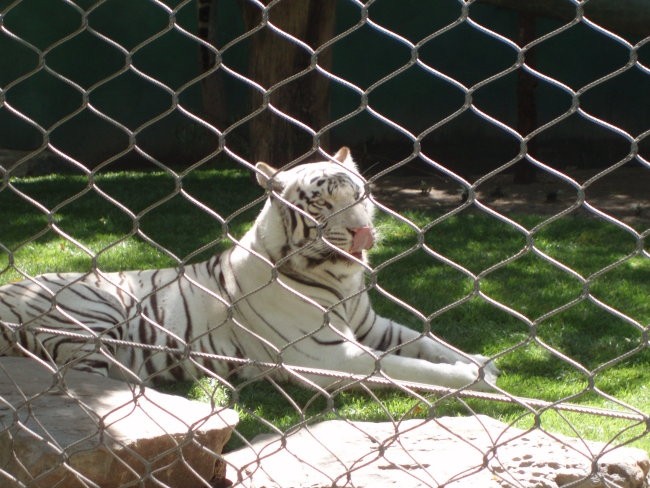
column 80, row 426
column 454, row 452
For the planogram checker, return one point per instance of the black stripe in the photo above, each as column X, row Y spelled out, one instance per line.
column 123, row 294
column 153, row 306
column 95, row 315
column 363, row 319
column 294, row 223
column 132, row 357
column 267, row 323
column 290, row 273
column 62, row 341
column 328, row 343
column 153, row 280
column 147, row 361
column 363, row 336
column 11, row 308
column 92, row 366
column 113, row 332
column 398, row 351
column 335, row 276
column 222, row 280
column 142, row 331
column 6, row 331
column 247, row 300
column 173, row 363
column 187, row 310
column 211, row 265
column 98, row 293
column 143, row 326
column 101, row 301
column 305, row 226
column 38, row 311
column 39, row 293
column 22, row 334
column 73, row 288
column 229, row 255
column 386, row 338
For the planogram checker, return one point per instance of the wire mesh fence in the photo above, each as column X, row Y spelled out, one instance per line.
column 502, row 150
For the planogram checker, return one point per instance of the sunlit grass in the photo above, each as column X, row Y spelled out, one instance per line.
column 68, row 225
column 159, row 225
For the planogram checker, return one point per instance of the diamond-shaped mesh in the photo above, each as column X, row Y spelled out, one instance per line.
column 139, row 117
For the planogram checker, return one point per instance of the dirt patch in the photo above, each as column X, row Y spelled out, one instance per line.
column 623, row 194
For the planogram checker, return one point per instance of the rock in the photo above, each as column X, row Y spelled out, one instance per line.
column 454, row 452
column 57, row 430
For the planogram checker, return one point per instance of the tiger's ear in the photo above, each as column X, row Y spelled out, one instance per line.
column 344, row 157
column 266, row 173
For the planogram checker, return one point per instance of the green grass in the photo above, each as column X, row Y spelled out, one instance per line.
column 448, row 298
column 159, row 225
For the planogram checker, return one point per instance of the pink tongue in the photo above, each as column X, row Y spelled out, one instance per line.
column 362, row 239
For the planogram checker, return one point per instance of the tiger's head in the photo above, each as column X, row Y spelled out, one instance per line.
column 323, row 208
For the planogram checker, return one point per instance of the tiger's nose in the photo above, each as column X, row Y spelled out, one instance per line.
column 362, row 238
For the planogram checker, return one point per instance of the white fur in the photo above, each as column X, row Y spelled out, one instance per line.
column 274, row 297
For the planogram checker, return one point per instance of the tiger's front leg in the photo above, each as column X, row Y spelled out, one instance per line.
column 383, row 334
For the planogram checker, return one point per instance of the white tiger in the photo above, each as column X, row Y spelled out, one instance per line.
column 291, row 292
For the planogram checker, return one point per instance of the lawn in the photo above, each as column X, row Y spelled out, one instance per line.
column 526, row 310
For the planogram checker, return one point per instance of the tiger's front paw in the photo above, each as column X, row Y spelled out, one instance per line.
column 489, row 367
column 490, row 373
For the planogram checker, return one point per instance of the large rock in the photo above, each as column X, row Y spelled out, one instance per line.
column 454, row 452
column 83, row 426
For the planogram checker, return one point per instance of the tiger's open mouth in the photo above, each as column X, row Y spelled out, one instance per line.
column 362, row 239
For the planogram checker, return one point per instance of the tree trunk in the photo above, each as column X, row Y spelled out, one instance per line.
column 215, row 107
column 275, row 58
column 526, row 105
